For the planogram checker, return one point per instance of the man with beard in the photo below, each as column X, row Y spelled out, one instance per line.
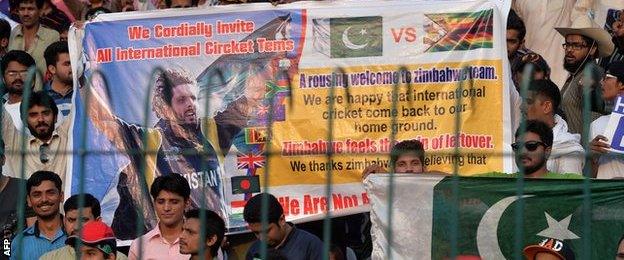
column 30, row 35
column 60, row 87
column 45, row 146
column 176, row 145
column 584, row 43
column 44, row 195
column 15, row 66
column 532, row 149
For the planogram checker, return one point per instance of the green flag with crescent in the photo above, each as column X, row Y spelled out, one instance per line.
column 356, row 37
column 489, row 213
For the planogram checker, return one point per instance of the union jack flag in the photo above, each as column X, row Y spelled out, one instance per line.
column 250, row 161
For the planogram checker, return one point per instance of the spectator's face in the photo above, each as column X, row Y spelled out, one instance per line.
column 70, row 221
column 184, row 104
column 190, row 239
column 536, row 107
column 576, row 51
column 170, row 208
column 513, row 42
column 409, row 163
column 620, row 251
column 546, row 256
column 273, row 235
column 62, row 70
column 92, row 253
column 531, row 160
column 181, row 3
column 41, row 122
column 14, row 77
column 611, row 87
column 29, row 14
column 45, row 200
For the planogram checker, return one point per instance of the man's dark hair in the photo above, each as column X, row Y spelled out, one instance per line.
column 547, row 89
column 5, row 29
column 39, row 98
column 539, row 128
column 213, row 224
column 514, row 22
column 172, row 183
column 89, row 202
column 167, row 81
column 407, row 146
column 53, row 51
column 20, row 57
column 39, row 176
column 252, row 213
column 38, row 3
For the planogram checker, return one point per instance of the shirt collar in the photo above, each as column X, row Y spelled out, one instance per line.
column 34, row 230
column 155, row 233
column 32, row 139
column 20, row 33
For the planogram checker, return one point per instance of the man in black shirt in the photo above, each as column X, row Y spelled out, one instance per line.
column 283, row 237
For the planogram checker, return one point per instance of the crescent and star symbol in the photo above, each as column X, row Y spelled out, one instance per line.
column 347, row 42
column 487, row 237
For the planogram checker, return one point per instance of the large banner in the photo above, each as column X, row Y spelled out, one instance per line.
column 236, row 92
column 485, row 220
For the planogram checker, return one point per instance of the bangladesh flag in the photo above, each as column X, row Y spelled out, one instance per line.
column 356, row 37
column 424, row 216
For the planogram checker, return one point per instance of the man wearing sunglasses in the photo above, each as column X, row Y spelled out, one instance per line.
column 543, row 99
column 532, row 148
column 605, row 164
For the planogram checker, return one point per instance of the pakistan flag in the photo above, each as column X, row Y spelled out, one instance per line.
column 423, row 218
column 356, row 37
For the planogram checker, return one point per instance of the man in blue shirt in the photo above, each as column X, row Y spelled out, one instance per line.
column 282, row 237
column 44, row 195
column 60, row 86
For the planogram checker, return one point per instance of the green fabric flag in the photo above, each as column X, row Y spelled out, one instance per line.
column 356, row 37
column 423, row 216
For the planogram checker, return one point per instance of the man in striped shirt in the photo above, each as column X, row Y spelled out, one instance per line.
column 44, row 195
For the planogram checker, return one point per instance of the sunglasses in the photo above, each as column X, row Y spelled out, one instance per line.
column 44, row 153
column 530, row 145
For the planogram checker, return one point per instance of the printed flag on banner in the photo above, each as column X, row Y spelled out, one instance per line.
column 461, row 31
column 552, row 208
column 356, row 37
column 245, row 184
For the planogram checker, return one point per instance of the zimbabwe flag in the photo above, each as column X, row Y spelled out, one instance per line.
column 461, row 31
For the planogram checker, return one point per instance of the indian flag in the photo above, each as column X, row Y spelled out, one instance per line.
column 483, row 216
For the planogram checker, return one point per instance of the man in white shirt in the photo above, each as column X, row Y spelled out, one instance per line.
column 541, row 103
column 607, row 165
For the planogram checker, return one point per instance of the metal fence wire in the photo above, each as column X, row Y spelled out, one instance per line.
column 85, row 88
